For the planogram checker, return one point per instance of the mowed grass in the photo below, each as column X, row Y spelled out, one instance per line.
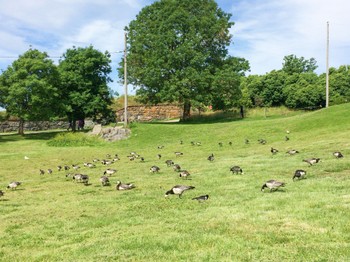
column 52, row 218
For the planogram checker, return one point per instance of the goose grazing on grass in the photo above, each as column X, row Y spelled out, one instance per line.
column 106, row 162
column 104, row 180
column 178, row 154
column 75, row 167
column 96, row 160
column 89, row 165
column 160, row 147
column 154, row 169
column 116, row 158
column 121, row 186
column 131, row 158
column 273, row 185
column 292, row 152
column 49, row 171
column 1, row 193
column 312, row 161
column 300, row 174
column 42, row 172
column 286, row 138
column 198, row 143
column 169, row 162
column 211, row 157
column 338, row 154
column 108, row 156
column 178, row 190
column 109, row 171
column 66, row 168
column 59, row 168
column 201, row 198
column 142, row 159
column 177, row 168
column 184, row 174
column 81, row 178
column 274, row 151
column 13, row 185
column 262, row 141
column 159, row 156
column 220, row 144
column 236, row 170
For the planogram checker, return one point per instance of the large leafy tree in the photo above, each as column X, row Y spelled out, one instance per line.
column 29, row 88
column 85, row 77
column 293, row 64
column 175, row 49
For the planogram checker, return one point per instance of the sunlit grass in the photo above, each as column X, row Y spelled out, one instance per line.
column 52, row 218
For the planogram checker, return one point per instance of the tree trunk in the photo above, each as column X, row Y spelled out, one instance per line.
column 242, row 111
column 21, row 127
column 187, row 110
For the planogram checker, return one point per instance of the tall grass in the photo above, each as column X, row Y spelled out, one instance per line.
column 51, row 218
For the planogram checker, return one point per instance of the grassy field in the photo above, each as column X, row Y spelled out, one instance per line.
column 52, row 218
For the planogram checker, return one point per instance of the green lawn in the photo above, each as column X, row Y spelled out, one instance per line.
column 52, row 218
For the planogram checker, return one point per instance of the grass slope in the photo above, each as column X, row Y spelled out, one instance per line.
column 51, row 218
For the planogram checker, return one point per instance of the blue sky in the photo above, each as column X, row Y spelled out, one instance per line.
column 264, row 32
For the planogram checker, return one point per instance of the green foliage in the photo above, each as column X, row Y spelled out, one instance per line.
column 293, row 64
column 175, row 50
column 29, row 87
column 84, row 74
column 75, row 140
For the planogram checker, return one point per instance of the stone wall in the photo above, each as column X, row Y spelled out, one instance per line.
column 149, row 113
column 12, row 125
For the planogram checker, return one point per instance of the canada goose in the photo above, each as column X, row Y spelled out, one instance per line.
column 230, row 143
column 181, row 142
column 292, row 152
column 121, row 186
column 106, row 162
column 42, row 172
column 220, row 144
column 169, row 162
column 96, row 160
column 109, row 171
column 89, row 165
column 299, row 174
column 286, row 138
column 104, row 180
column 262, row 141
column 142, row 159
column 176, row 167
column 49, row 171
column 116, row 158
column 246, row 141
column 131, row 158
column 338, row 154
column 1, row 193
column 184, row 174
column 201, row 198
column 178, row 154
column 236, row 170
column 198, row 143
column 59, row 168
column 66, row 168
column 272, row 185
column 178, row 190
column 160, row 147
column 192, row 143
column 154, row 169
column 159, row 156
column 134, row 154
column 81, row 178
column 211, row 157
column 14, row 185
column 312, row 161
column 75, row 167
column 108, row 156
column 274, row 151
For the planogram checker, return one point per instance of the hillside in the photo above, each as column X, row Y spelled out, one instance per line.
column 51, row 218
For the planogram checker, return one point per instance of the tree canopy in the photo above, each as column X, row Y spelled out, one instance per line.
column 176, row 50
column 29, row 88
column 84, row 83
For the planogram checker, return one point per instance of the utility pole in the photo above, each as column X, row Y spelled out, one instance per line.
column 125, row 85
column 327, row 68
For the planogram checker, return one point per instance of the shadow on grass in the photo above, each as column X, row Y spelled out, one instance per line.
column 38, row 135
